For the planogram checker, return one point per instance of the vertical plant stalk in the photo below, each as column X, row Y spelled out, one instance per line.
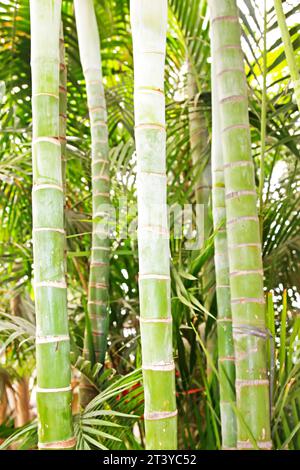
column 263, row 127
column 198, row 143
column 226, row 358
column 149, row 24
column 63, row 121
column 244, row 245
column 52, row 338
column 62, row 105
column 89, row 47
column 288, row 49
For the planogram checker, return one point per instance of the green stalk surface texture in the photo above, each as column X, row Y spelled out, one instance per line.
column 198, row 143
column 149, row 24
column 288, row 49
column 52, row 338
column 244, row 245
column 226, row 359
column 62, row 105
column 90, row 56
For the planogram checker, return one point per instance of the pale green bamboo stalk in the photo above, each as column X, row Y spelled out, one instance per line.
column 198, row 141
column 63, row 120
column 244, row 245
column 52, row 338
column 62, row 104
column 90, row 56
column 226, row 357
column 263, row 127
column 288, row 49
column 149, row 24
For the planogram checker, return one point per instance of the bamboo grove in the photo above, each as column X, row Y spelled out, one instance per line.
column 150, row 238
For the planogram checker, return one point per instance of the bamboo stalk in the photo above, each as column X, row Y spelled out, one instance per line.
column 62, row 105
column 90, row 56
column 226, row 359
column 149, row 24
column 52, row 338
column 288, row 49
column 198, row 144
column 263, row 127
column 244, row 245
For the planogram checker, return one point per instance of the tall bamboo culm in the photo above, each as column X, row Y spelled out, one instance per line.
column 52, row 338
column 90, row 56
column 62, row 105
column 288, row 49
column 226, row 359
column 198, row 144
column 149, row 24
column 244, row 245
column 203, row 189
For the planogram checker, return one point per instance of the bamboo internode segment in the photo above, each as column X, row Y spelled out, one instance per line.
column 89, row 48
column 245, row 261
column 226, row 355
column 53, row 389
column 149, row 23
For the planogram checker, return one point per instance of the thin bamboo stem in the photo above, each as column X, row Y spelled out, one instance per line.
column 226, row 356
column 263, row 127
column 53, row 357
column 198, row 144
column 149, row 24
column 90, row 56
column 244, row 244
column 62, row 105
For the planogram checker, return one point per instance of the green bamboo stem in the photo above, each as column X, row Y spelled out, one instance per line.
column 52, row 338
column 226, row 358
column 244, row 245
column 198, row 142
column 288, row 49
column 62, row 104
column 149, row 23
column 90, row 56
column 63, row 120
column 263, row 127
